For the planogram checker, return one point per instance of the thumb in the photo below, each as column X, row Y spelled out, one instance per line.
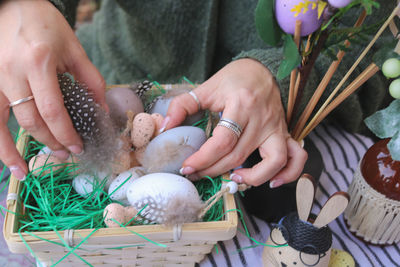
column 85, row 72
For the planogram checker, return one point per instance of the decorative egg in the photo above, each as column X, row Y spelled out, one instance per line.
column 142, row 129
column 44, row 164
column 116, row 212
column 84, row 184
column 118, row 187
column 158, row 120
column 165, row 198
column 288, row 11
column 162, row 104
column 120, row 100
column 339, row 3
column 167, row 151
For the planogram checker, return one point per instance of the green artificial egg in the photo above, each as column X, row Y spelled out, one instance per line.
column 394, row 89
column 391, row 68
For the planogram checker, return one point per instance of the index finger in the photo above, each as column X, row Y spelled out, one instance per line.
column 50, row 103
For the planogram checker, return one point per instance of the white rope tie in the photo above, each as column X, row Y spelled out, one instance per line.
column 68, row 237
column 177, row 232
column 12, row 197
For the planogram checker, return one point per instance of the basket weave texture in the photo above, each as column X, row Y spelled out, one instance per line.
column 118, row 246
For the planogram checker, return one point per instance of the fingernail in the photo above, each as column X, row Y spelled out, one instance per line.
column 164, row 124
column 236, row 178
column 275, row 183
column 76, row 149
column 18, row 172
column 61, row 154
column 187, row 170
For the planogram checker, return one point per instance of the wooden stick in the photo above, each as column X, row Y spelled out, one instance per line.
column 324, row 83
column 360, row 80
column 350, row 71
column 293, row 74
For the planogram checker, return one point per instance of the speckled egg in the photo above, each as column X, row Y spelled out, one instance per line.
column 161, row 195
column 162, row 104
column 288, row 11
column 114, row 211
column 44, row 164
column 84, row 184
column 142, row 129
column 117, row 189
column 120, row 100
column 167, row 151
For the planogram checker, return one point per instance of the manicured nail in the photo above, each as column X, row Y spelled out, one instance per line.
column 275, row 183
column 76, row 149
column 61, row 154
column 164, row 124
column 236, row 178
column 18, row 172
column 187, row 170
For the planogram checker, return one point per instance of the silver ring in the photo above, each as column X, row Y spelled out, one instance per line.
column 231, row 125
column 20, row 101
column 195, row 99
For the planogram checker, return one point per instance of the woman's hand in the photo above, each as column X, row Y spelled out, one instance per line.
column 36, row 44
column 246, row 92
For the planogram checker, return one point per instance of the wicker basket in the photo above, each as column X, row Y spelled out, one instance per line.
column 118, row 246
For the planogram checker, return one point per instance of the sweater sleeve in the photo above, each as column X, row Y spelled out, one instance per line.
column 68, row 8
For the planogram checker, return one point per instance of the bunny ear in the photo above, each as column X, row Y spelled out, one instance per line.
column 305, row 191
column 335, row 205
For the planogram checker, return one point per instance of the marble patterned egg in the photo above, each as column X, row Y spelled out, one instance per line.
column 165, row 198
column 161, row 107
column 167, row 151
column 288, row 11
column 120, row 100
column 117, row 190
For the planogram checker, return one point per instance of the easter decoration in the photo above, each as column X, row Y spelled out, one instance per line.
column 303, row 239
column 374, row 210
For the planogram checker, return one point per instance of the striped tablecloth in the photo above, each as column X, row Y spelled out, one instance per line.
column 341, row 153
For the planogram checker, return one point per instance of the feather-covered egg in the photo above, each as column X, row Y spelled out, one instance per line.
column 288, row 11
column 44, row 164
column 120, row 100
column 119, row 186
column 142, row 129
column 165, row 198
column 84, row 184
column 167, row 151
column 161, row 107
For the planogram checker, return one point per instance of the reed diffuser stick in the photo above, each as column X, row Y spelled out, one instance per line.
column 360, row 80
column 350, row 71
column 324, row 83
column 293, row 74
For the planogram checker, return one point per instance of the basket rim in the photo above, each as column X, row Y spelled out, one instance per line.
column 226, row 227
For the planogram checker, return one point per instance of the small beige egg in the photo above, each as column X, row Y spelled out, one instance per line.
column 43, row 164
column 130, row 212
column 158, row 120
column 114, row 211
column 142, row 129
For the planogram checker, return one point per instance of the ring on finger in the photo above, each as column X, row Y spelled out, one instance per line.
column 231, row 125
column 20, row 101
column 195, row 99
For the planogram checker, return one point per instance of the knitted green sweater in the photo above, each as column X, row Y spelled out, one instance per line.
column 129, row 40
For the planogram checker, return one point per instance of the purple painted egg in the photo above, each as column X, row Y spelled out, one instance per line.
column 339, row 3
column 288, row 11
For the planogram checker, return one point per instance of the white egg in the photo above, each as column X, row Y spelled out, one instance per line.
column 165, row 198
column 117, row 189
column 161, row 107
column 84, row 184
column 167, row 151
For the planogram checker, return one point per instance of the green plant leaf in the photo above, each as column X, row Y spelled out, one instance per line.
column 394, row 146
column 291, row 58
column 385, row 123
column 267, row 27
